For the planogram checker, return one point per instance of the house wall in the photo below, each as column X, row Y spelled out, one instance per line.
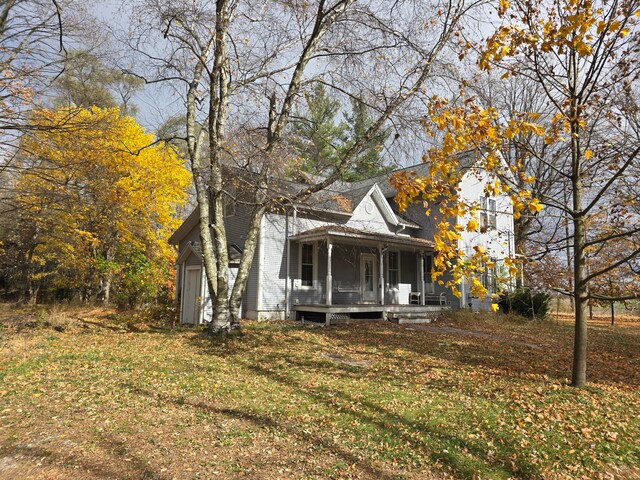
column 266, row 286
column 236, row 226
column 345, row 273
column 498, row 242
column 273, row 272
column 192, row 236
column 408, row 280
column 345, row 267
column 416, row 212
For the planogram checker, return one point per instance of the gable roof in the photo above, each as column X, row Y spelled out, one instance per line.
column 344, row 197
column 183, row 230
column 192, row 247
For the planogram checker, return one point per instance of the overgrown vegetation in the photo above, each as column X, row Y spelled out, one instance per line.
column 525, row 302
column 468, row 397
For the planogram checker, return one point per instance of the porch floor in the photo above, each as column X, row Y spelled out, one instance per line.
column 334, row 314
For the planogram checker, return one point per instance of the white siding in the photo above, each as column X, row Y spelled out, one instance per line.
column 367, row 216
column 498, row 241
column 274, row 268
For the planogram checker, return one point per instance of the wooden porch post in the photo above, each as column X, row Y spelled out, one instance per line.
column 423, row 289
column 329, row 286
column 381, row 288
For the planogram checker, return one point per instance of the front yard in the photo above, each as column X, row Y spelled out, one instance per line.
column 471, row 397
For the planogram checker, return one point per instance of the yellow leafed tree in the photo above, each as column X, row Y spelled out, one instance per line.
column 465, row 129
column 583, row 55
column 98, row 200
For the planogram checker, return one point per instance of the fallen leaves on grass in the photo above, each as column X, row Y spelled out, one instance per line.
column 274, row 403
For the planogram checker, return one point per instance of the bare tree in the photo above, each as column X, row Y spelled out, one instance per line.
column 247, row 64
column 31, row 47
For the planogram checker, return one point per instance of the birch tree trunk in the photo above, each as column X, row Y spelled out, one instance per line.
column 231, row 55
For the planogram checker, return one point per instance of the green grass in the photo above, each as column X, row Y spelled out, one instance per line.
column 270, row 403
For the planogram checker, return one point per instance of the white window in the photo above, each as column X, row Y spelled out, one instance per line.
column 492, row 213
column 488, row 213
column 306, row 265
column 490, row 276
column 393, row 268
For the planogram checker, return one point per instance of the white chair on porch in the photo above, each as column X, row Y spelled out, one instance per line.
column 414, row 298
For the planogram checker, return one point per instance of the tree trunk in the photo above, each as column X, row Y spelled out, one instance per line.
column 34, row 288
column 612, row 314
column 221, row 319
column 579, row 374
column 250, row 244
column 572, row 304
column 106, row 291
column 217, row 117
column 108, row 277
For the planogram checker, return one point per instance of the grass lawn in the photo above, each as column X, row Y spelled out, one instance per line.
column 471, row 397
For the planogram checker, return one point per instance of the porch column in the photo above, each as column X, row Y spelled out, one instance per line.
column 381, row 255
column 423, row 289
column 329, row 286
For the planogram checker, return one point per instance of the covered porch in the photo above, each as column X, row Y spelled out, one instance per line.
column 346, row 274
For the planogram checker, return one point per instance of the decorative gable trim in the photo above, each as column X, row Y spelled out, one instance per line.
column 185, row 254
column 387, row 212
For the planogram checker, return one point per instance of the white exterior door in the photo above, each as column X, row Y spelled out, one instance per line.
column 191, row 296
column 368, row 277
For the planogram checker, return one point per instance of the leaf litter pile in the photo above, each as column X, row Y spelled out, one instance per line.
column 373, row 401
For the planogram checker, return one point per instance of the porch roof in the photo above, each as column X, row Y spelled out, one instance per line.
column 342, row 232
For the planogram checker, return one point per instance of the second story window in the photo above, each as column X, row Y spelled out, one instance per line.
column 488, row 213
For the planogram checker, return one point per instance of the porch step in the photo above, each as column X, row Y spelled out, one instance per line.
column 350, row 321
column 403, row 318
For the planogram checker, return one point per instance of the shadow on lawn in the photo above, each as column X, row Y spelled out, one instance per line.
column 613, row 356
column 265, row 421
column 83, row 464
column 418, row 435
column 463, row 457
column 608, row 361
